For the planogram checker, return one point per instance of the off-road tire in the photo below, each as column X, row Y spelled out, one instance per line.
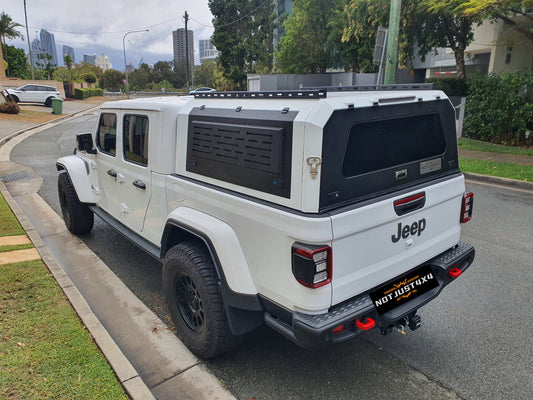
column 78, row 217
column 191, row 287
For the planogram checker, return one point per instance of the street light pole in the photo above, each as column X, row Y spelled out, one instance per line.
column 392, row 41
column 29, row 45
column 125, row 66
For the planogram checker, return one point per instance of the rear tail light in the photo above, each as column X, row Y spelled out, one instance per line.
column 467, row 207
column 311, row 265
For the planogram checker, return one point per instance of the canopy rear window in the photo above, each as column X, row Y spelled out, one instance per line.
column 377, row 145
column 377, row 151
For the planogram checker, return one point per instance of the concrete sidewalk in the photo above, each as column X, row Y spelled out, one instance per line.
column 11, row 125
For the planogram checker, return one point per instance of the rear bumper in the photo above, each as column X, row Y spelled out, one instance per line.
column 312, row 331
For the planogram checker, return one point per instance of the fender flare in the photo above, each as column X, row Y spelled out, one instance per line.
column 77, row 170
column 221, row 241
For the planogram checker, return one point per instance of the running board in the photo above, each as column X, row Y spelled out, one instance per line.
column 133, row 237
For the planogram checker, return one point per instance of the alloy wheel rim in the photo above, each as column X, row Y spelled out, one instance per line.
column 190, row 303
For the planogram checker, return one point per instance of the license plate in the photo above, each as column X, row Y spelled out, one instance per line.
column 406, row 288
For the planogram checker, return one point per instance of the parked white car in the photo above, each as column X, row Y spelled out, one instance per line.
column 35, row 94
column 202, row 90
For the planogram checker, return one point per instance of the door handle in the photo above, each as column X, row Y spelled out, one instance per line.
column 112, row 172
column 139, row 184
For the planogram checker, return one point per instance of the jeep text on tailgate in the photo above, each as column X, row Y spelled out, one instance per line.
column 321, row 213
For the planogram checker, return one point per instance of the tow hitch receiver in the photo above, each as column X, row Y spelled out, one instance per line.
column 413, row 321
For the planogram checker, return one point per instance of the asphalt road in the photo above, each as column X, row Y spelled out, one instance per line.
column 475, row 341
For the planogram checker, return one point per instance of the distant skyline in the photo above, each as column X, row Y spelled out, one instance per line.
column 99, row 29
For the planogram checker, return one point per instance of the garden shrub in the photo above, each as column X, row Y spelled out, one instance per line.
column 499, row 107
column 96, row 92
column 451, row 86
column 81, row 94
column 9, row 107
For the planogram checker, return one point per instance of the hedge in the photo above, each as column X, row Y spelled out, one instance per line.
column 450, row 86
column 81, row 94
column 499, row 107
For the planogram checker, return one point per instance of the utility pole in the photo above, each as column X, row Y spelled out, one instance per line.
column 392, row 42
column 29, row 45
column 187, row 50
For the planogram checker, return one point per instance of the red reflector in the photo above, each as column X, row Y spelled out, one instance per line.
column 338, row 329
column 369, row 324
column 454, row 272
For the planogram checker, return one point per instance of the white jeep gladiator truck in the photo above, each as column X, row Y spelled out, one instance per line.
column 323, row 213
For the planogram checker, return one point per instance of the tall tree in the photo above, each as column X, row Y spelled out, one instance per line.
column 203, row 75
column 84, row 67
column 112, row 79
column 425, row 25
column 68, row 63
column 305, row 47
column 515, row 13
column 364, row 17
column 8, row 31
column 243, row 35
column 449, row 28
column 139, row 77
column 17, row 63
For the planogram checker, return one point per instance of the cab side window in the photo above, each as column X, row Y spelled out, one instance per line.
column 106, row 137
column 135, row 138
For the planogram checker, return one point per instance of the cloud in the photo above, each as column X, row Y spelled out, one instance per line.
column 99, row 26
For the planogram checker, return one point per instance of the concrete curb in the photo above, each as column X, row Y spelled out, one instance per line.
column 511, row 183
column 126, row 373
column 51, row 123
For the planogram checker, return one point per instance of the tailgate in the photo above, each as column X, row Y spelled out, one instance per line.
column 372, row 244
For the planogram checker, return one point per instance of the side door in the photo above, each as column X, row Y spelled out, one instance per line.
column 108, row 163
column 27, row 94
column 136, row 169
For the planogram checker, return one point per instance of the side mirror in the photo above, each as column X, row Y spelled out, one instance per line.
column 85, row 143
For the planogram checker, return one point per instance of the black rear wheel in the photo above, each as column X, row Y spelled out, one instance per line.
column 193, row 296
column 78, row 217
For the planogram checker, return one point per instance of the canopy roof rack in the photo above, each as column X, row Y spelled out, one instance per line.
column 278, row 94
column 368, row 88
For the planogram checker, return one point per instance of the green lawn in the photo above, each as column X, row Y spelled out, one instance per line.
column 493, row 168
column 45, row 351
column 471, row 144
column 9, row 225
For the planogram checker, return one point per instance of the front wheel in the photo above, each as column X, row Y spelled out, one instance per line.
column 193, row 296
column 78, row 217
column 48, row 102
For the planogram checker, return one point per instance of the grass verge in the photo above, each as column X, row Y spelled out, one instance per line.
column 45, row 351
column 471, row 144
column 9, row 225
column 494, row 168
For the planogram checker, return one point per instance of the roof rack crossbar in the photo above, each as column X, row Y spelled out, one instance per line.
column 279, row 94
column 368, row 88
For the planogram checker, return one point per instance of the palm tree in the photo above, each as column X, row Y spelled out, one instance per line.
column 7, row 30
column 68, row 62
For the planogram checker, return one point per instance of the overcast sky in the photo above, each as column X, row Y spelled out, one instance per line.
column 98, row 26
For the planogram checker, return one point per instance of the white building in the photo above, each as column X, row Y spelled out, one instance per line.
column 103, row 62
column 207, row 50
column 496, row 47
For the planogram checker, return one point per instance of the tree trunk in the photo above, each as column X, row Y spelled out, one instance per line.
column 459, row 52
